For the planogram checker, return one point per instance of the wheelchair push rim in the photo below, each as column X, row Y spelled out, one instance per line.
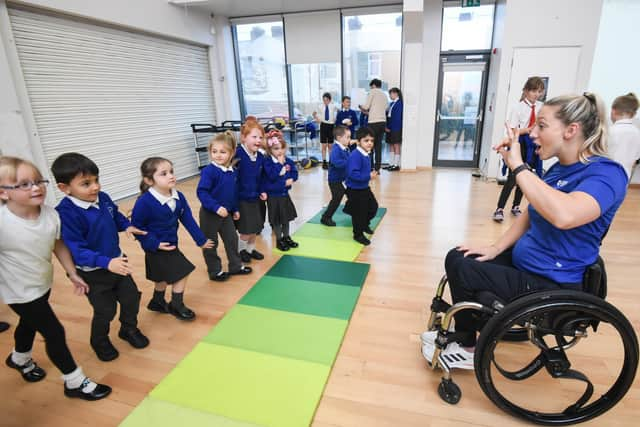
column 537, row 306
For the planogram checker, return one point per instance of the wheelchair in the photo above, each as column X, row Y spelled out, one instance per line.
column 554, row 323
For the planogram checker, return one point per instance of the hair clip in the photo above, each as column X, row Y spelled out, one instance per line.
column 273, row 141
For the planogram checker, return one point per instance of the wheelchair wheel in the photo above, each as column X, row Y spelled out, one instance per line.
column 512, row 374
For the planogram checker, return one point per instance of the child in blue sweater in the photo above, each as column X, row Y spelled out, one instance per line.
column 346, row 116
column 279, row 174
column 250, row 163
column 339, row 158
column 218, row 194
column 361, row 203
column 157, row 211
column 90, row 226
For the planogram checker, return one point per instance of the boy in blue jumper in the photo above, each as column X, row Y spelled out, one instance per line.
column 346, row 116
column 338, row 160
column 361, row 203
column 90, row 226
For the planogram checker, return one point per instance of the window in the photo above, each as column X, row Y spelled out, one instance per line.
column 309, row 82
column 467, row 28
column 375, row 68
column 262, row 74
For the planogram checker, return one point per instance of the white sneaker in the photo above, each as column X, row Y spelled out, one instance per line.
column 454, row 356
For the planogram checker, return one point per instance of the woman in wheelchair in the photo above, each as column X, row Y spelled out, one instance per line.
column 552, row 243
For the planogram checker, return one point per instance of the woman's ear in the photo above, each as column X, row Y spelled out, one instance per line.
column 572, row 130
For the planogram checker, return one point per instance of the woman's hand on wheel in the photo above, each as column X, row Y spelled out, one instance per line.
column 484, row 253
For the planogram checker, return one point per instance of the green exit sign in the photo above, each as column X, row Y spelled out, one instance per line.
column 470, row 3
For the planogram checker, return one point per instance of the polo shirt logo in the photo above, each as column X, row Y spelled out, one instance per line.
column 110, row 209
column 561, row 183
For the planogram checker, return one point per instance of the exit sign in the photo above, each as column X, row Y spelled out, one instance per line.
column 470, row 3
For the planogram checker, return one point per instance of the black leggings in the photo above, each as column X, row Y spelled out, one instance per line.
column 467, row 277
column 506, row 191
column 37, row 316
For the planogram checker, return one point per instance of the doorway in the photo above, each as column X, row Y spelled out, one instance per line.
column 462, row 86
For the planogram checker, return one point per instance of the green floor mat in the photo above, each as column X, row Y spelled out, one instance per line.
column 303, row 296
column 243, row 385
column 320, row 270
column 343, row 220
column 281, row 333
column 158, row 413
column 315, row 247
column 322, row 231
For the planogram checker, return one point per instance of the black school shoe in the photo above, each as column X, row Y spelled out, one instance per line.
column 368, row 230
column 289, row 241
column 245, row 256
column 34, row 375
column 220, row 277
column 256, row 255
column 135, row 337
column 160, row 307
column 182, row 313
column 282, row 245
column 105, row 350
column 243, row 270
column 100, row 392
column 328, row 222
column 361, row 239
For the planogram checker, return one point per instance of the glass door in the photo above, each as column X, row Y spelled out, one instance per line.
column 461, row 93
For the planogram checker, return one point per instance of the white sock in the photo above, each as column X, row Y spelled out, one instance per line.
column 251, row 246
column 397, row 159
column 21, row 359
column 77, row 379
column 242, row 245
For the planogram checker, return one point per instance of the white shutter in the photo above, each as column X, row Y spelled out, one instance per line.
column 113, row 95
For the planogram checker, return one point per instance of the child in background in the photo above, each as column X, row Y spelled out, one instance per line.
column 394, row 128
column 361, row 203
column 218, row 194
column 346, row 117
column 157, row 211
column 326, row 116
column 29, row 232
column 337, row 172
column 624, row 136
column 90, row 226
column 522, row 120
column 250, row 163
column 279, row 174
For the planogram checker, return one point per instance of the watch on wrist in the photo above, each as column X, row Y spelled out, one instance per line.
column 520, row 168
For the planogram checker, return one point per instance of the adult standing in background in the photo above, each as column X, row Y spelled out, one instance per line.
column 375, row 106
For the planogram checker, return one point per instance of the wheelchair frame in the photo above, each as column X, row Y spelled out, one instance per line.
column 575, row 304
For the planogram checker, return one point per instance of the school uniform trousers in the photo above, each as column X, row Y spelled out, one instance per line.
column 337, row 192
column 213, row 224
column 362, row 206
column 378, row 132
column 106, row 290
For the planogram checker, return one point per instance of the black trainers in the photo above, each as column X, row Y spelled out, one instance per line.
column 243, row 270
column 328, row 222
column 220, row 277
column 245, row 256
column 105, row 350
column 282, row 245
column 256, row 255
column 362, row 240
column 30, row 371
column 4, row 326
column 134, row 337
column 182, row 313
column 289, row 241
column 160, row 307
column 100, row 392
column 368, row 230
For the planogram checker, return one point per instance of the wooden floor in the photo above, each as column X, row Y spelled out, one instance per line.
column 379, row 378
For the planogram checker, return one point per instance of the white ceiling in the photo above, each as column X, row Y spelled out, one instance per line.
column 235, row 8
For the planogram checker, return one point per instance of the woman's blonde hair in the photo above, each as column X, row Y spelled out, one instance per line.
column 626, row 104
column 9, row 168
column 228, row 139
column 588, row 110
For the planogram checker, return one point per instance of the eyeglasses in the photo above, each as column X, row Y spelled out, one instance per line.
column 26, row 185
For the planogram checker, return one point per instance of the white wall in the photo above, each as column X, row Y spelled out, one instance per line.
column 543, row 23
column 225, row 82
column 616, row 64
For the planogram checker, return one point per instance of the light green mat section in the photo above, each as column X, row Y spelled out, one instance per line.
column 315, row 247
column 303, row 296
column 281, row 333
column 343, row 220
column 330, row 233
column 158, row 413
column 243, row 385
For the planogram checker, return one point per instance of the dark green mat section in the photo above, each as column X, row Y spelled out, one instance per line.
column 343, row 220
column 320, row 270
column 303, row 296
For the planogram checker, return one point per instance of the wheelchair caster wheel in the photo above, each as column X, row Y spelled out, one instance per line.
column 449, row 392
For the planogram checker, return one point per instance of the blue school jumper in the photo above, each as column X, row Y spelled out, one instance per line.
column 161, row 223
column 338, row 159
column 249, row 175
column 358, row 171
column 563, row 255
column 218, row 188
column 92, row 234
column 394, row 121
column 274, row 180
column 348, row 114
